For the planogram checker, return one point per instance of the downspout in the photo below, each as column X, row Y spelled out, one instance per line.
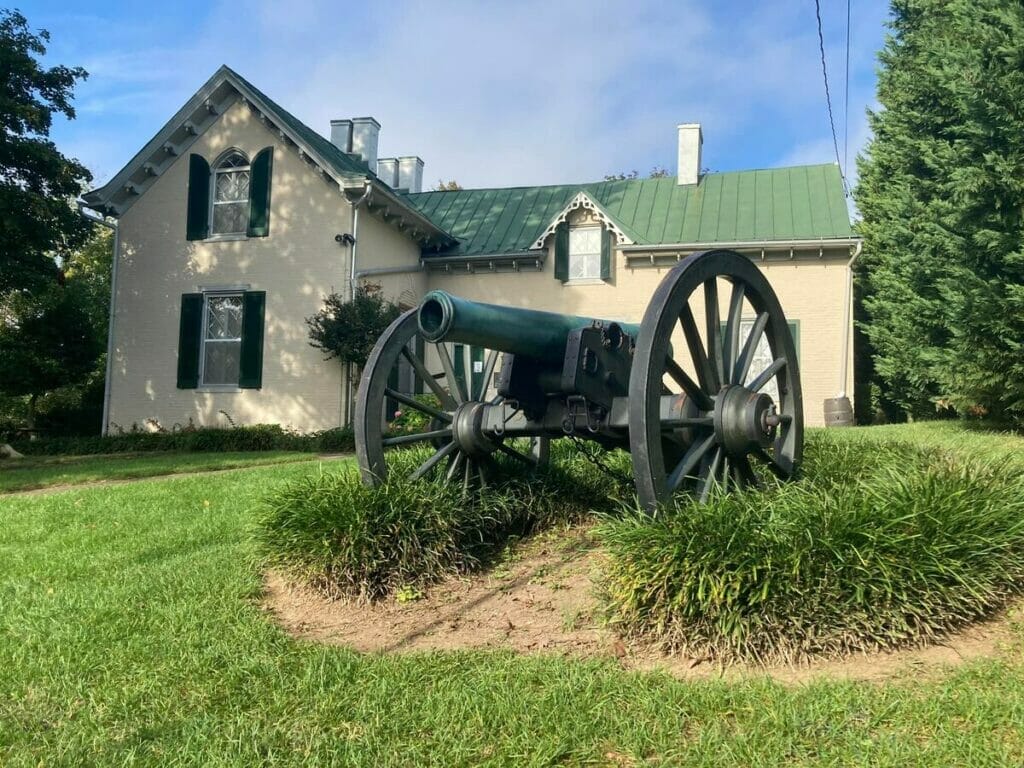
column 110, row 320
column 848, row 319
column 353, row 252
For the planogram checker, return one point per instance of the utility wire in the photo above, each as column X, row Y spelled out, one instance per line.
column 828, row 96
column 846, row 107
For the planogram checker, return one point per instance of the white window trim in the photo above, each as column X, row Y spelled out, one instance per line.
column 203, row 386
column 222, row 236
column 588, row 279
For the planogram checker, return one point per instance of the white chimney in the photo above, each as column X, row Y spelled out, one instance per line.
column 387, row 171
column 341, row 134
column 410, row 174
column 365, row 131
column 690, row 141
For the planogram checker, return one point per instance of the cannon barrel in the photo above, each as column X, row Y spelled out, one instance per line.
column 526, row 332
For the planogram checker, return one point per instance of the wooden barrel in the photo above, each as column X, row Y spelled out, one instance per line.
column 838, row 412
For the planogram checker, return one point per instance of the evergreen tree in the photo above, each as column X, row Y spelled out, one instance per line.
column 941, row 192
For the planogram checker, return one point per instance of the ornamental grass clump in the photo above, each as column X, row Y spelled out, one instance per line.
column 346, row 539
column 873, row 549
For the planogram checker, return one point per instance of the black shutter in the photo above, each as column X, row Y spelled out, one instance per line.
column 606, row 253
column 250, row 373
column 260, row 173
column 459, row 363
column 476, row 360
column 190, row 339
column 197, row 226
column 562, row 252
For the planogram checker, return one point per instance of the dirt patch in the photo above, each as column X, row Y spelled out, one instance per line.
column 540, row 599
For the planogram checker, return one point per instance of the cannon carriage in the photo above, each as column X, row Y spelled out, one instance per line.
column 680, row 391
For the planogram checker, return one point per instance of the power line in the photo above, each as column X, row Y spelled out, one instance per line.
column 846, row 107
column 828, row 96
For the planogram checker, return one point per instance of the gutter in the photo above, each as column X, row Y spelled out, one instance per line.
column 389, row 271
column 352, row 275
column 633, row 251
column 110, row 313
column 848, row 319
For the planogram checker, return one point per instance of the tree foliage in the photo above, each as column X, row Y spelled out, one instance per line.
column 348, row 329
column 37, row 183
column 941, row 192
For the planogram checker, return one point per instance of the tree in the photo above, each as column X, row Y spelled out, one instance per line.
column 37, row 183
column 447, row 186
column 47, row 341
column 347, row 329
column 941, row 192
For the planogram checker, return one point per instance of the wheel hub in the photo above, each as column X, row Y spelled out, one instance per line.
column 467, row 431
column 745, row 421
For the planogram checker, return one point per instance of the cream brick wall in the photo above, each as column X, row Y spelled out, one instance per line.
column 297, row 265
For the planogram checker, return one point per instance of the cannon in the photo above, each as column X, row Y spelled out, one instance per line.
column 683, row 396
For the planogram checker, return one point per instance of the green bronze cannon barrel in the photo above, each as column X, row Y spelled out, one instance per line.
column 526, row 332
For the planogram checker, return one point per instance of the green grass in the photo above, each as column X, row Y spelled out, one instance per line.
column 879, row 546
column 130, row 634
column 41, row 472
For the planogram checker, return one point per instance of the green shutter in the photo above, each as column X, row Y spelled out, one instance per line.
column 190, row 338
column 197, row 226
column 260, row 173
column 459, row 363
column 476, row 359
column 606, row 253
column 250, row 373
column 562, row 252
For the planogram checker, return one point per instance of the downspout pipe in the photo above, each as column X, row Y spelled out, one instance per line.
column 352, row 275
column 104, row 428
column 848, row 319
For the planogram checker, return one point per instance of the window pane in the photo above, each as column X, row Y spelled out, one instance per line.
column 762, row 359
column 584, row 253
column 224, row 317
column 232, row 186
column 230, row 218
column 221, row 362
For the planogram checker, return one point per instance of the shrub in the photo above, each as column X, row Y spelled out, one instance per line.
column 877, row 547
column 345, row 539
column 259, row 437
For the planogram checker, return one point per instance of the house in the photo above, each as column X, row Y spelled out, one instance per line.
column 236, row 220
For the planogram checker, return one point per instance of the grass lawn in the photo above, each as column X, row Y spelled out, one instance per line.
column 43, row 471
column 130, row 633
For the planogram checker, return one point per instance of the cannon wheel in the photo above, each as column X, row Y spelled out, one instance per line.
column 729, row 422
column 459, row 463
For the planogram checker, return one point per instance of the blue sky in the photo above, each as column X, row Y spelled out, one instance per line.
column 490, row 94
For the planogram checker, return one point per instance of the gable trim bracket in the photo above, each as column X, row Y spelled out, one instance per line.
column 587, row 203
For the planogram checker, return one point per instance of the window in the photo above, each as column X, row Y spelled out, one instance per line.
column 222, row 340
column 231, row 195
column 582, row 254
column 232, row 198
column 763, row 354
column 585, row 253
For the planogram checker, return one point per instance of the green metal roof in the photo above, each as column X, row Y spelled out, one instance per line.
column 343, row 163
column 803, row 202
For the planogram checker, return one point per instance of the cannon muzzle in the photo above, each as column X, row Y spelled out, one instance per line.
column 525, row 332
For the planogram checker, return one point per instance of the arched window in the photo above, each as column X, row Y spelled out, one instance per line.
column 231, row 195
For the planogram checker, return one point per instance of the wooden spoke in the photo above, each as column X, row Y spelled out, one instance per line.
column 492, row 360
column 456, row 465
column 430, row 463
column 726, row 470
column 767, row 374
column 419, row 437
column 466, row 474
column 688, row 421
column 714, row 331
column 508, row 451
column 690, row 387
column 745, row 472
column 454, row 385
column 701, row 364
column 739, row 373
column 690, row 460
column 428, row 378
column 412, row 402
column 732, row 327
column 709, row 476
column 776, row 469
